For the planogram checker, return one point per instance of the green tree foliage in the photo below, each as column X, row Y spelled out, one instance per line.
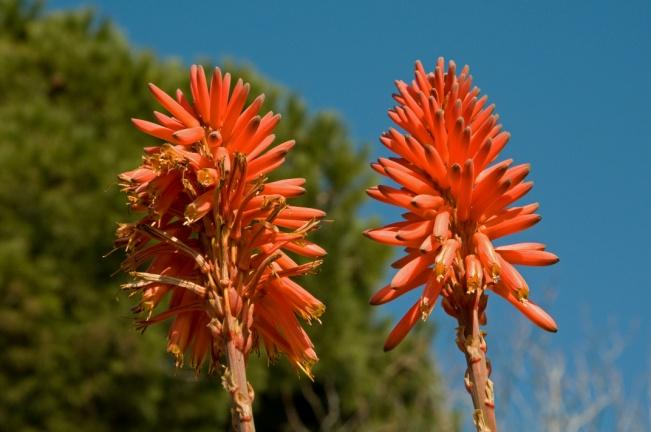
column 70, row 358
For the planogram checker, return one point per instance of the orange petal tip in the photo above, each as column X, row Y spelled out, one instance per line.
column 541, row 318
column 403, row 327
column 378, row 298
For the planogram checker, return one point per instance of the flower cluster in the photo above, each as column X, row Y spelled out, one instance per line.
column 457, row 202
column 215, row 235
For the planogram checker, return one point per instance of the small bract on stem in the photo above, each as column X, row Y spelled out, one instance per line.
column 458, row 202
column 216, row 237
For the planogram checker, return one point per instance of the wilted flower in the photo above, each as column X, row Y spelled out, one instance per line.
column 215, row 234
column 457, row 203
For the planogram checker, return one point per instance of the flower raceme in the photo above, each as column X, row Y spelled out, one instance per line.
column 216, row 237
column 457, row 202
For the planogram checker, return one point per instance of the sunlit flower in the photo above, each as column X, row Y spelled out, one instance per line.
column 211, row 249
column 457, row 201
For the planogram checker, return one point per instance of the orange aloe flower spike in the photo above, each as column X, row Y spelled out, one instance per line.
column 458, row 202
column 216, row 237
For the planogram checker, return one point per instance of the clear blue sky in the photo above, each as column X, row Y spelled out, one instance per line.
column 571, row 83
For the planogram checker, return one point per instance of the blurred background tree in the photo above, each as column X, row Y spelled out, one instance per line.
column 70, row 356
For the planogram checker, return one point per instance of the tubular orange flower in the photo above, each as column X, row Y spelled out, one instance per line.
column 457, row 201
column 215, row 236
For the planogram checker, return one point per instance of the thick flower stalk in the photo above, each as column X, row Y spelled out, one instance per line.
column 457, row 201
column 210, row 252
